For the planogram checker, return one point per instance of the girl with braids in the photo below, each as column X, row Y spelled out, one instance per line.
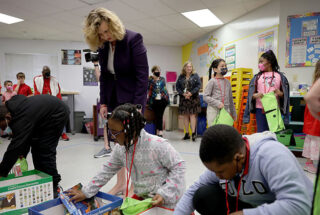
column 267, row 80
column 218, row 93
column 157, row 169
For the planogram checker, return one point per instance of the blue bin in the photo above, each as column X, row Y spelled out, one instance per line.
column 56, row 207
column 202, row 102
column 150, row 128
column 201, row 125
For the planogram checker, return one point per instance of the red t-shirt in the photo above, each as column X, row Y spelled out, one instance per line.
column 23, row 90
column 46, row 86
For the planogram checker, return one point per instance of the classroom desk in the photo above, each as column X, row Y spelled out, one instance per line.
column 70, row 103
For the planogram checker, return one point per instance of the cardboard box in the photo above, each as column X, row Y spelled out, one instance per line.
column 56, row 206
column 17, row 194
column 157, row 211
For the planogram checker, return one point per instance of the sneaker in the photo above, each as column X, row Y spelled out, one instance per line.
column 309, row 167
column 103, row 153
column 65, row 137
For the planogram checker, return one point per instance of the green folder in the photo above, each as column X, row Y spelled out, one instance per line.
column 272, row 111
column 224, row 118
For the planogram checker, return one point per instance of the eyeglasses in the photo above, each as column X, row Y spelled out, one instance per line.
column 114, row 134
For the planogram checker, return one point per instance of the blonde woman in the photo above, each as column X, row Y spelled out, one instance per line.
column 123, row 72
column 188, row 86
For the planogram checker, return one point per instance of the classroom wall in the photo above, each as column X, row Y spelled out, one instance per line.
column 294, row 7
column 243, row 32
column 71, row 76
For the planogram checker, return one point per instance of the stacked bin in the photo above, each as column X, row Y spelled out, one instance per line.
column 240, row 77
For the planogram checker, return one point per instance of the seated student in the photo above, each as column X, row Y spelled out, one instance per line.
column 21, row 88
column 157, row 169
column 261, row 176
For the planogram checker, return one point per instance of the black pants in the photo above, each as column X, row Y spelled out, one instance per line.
column 211, row 199
column 158, row 107
column 44, row 146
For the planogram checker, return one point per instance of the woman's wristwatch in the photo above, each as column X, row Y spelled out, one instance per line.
column 96, row 65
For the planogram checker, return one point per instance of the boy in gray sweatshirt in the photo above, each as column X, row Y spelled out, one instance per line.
column 261, row 176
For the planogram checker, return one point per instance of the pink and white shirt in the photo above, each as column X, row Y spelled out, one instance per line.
column 8, row 95
column 267, row 83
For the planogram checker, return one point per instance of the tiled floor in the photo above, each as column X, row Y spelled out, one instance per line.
column 76, row 162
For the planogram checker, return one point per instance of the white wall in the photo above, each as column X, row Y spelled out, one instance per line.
column 294, row 7
column 70, row 76
column 243, row 32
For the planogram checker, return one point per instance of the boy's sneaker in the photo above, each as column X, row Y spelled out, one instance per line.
column 103, row 153
column 309, row 167
column 65, row 137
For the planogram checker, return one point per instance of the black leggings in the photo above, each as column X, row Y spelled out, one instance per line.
column 211, row 199
column 158, row 107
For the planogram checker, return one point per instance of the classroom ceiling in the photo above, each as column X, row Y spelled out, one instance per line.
column 159, row 21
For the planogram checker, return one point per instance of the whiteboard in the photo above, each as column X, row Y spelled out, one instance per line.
column 30, row 64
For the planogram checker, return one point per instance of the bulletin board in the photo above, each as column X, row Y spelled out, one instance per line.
column 303, row 40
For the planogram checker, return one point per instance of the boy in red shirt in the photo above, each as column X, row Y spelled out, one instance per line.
column 21, row 88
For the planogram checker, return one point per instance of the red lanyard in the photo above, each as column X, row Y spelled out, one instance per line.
column 264, row 84
column 224, row 94
column 245, row 172
column 129, row 172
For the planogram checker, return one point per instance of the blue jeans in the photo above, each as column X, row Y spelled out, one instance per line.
column 262, row 123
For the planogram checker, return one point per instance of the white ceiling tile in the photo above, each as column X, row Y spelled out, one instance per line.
column 37, row 7
column 234, row 11
column 217, row 3
column 67, row 4
column 254, row 4
column 152, row 25
column 184, row 5
column 177, row 21
column 151, row 7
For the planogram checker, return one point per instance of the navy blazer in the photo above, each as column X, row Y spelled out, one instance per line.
column 131, row 71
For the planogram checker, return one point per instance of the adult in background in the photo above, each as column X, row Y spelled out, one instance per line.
column 158, row 97
column 37, row 123
column 188, row 86
column 47, row 84
column 123, row 67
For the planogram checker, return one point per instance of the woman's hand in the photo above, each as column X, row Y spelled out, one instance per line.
column 237, row 213
column 221, row 105
column 103, row 111
column 257, row 95
column 77, row 195
column 158, row 200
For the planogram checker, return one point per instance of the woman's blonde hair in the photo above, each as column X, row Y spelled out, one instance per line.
column 183, row 71
column 316, row 74
column 154, row 68
column 93, row 22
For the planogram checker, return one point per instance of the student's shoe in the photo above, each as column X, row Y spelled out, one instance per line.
column 186, row 137
column 103, row 153
column 309, row 167
column 194, row 135
column 65, row 137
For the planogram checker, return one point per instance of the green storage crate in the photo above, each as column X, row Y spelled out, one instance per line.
column 285, row 136
column 299, row 139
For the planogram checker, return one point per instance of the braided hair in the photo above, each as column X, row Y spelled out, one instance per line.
column 215, row 63
column 132, row 120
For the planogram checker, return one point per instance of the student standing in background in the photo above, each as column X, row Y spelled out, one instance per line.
column 21, row 88
column 218, row 93
column 267, row 80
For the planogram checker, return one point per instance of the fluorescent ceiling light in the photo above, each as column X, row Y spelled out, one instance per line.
column 203, row 18
column 9, row 19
